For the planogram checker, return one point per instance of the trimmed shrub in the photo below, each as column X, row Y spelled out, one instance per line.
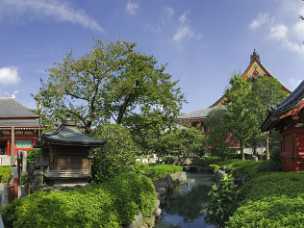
column 118, row 154
column 272, row 200
column 273, row 184
column 270, row 212
column 112, row 204
column 248, row 168
column 5, row 174
column 156, row 172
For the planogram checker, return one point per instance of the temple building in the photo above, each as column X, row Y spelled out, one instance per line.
column 288, row 119
column 19, row 129
column 197, row 118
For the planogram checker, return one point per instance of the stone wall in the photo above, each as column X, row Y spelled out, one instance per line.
column 164, row 187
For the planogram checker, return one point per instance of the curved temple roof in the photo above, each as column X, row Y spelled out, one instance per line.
column 289, row 103
column 70, row 135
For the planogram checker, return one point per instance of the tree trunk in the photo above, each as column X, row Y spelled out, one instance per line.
column 123, row 109
column 255, row 151
column 268, row 146
column 242, row 151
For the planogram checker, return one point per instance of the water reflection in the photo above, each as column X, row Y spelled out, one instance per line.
column 186, row 206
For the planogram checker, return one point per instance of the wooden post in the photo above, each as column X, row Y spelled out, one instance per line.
column 12, row 149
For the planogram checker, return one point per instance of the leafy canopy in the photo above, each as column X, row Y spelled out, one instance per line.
column 113, row 82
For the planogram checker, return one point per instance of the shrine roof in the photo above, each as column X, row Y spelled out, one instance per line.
column 199, row 114
column 70, row 135
column 11, row 109
column 288, row 104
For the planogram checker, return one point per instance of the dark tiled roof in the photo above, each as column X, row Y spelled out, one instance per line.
column 290, row 102
column 70, row 135
column 9, row 107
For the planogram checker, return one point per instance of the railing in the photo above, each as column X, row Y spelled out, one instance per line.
column 5, row 160
column 83, row 173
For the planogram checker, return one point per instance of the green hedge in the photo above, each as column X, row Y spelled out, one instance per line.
column 156, row 172
column 112, row 204
column 273, row 184
column 5, row 174
column 270, row 212
column 249, row 168
column 271, row 200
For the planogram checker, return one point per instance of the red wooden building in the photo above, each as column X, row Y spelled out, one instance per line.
column 19, row 129
column 288, row 118
column 197, row 118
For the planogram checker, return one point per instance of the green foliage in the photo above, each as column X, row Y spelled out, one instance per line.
column 222, row 200
column 5, row 174
column 33, row 155
column 182, row 142
column 272, row 200
column 217, row 132
column 249, row 169
column 112, row 82
column 156, row 172
column 112, row 204
column 270, row 212
column 118, row 154
column 273, row 184
column 237, row 116
column 248, row 102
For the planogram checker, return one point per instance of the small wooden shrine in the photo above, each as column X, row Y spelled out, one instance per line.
column 66, row 154
column 288, row 118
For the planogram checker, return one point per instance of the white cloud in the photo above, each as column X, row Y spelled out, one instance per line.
column 259, row 21
column 132, row 7
column 285, row 28
column 57, row 10
column 278, row 32
column 9, row 76
column 184, row 30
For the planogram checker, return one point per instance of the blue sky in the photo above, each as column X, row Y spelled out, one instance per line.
column 203, row 42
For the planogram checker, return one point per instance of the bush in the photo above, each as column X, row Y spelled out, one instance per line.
column 273, row 184
column 222, row 200
column 248, row 168
column 112, row 204
column 33, row 155
column 5, row 174
column 156, row 172
column 118, row 154
column 270, row 212
column 182, row 143
column 272, row 200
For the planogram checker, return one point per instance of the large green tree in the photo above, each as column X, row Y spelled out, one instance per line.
column 217, row 132
column 266, row 92
column 182, row 143
column 112, row 83
column 238, row 117
column 248, row 102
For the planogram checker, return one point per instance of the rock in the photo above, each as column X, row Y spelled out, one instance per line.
column 179, row 177
column 158, row 212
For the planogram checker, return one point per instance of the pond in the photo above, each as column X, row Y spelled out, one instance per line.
column 186, row 206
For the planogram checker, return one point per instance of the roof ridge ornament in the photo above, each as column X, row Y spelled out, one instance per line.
column 255, row 57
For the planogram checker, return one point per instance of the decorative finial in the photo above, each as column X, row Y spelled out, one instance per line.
column 254, row 57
